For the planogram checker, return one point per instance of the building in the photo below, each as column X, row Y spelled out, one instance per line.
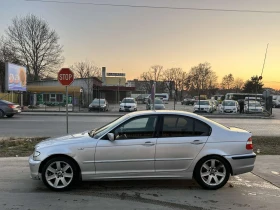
column 81, row 92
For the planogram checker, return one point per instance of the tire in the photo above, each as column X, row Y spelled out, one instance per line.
column 58, row 180
column 2, row 114
column 10, row 115
column 206, row 166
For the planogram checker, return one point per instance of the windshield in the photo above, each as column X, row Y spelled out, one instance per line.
column 228, row 103
column 203, row 103
column 128, row 100
column 158, row 101
column 97, row 133
column 96, row 101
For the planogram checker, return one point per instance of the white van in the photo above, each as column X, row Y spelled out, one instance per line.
column 163, row 96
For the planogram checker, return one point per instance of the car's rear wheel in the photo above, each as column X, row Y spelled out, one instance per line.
column 60, row 173
column 212, row 172
column 10, row 115
column 2, row 114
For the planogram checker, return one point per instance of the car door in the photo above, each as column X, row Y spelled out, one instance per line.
column 133, row 149
column 181, row 139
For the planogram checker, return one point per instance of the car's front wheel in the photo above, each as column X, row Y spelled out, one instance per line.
column 212, row 172
column 60, row 173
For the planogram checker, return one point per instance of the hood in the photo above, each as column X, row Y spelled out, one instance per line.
column 69, row 139
column 201, row 106
column 127, row 104
column 229, row 107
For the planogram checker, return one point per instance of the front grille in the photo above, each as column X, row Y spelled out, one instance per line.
column 127, row 107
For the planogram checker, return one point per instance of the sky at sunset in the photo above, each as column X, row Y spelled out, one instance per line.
column 133, row 39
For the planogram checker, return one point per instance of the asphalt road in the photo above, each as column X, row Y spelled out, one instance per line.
column 19, row 192
column 51, row 126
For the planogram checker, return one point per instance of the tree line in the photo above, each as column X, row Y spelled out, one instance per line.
column 200, row 79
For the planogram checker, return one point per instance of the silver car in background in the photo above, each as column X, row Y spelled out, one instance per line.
column 146, row 145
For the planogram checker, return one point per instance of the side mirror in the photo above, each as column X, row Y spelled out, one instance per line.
column 120, row 102
column 111, row 136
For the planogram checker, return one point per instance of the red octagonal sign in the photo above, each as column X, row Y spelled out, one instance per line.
column 65, row 76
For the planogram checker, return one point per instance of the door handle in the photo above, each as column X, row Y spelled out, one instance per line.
column 148, row 143
column 197, row 142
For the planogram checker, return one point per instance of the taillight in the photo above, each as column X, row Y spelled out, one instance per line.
column 11, row 106
column 249, row 145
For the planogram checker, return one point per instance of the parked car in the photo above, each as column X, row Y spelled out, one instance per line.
column 99, row 104
column 253, row 107
column 163, row 96
column 128, row 105
column 134, row 147
column 188, row 101
column 229, row 106
column 203, row 106
column 159, row 105
column 276, row 101
column 9, row 109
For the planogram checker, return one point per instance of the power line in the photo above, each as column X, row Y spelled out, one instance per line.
column 158, row 7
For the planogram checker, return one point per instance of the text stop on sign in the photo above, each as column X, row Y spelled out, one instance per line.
column 65, row 77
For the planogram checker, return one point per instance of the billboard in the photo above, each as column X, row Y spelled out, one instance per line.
column 16, row 78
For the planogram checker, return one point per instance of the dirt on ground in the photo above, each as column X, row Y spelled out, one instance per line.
column 24, row 147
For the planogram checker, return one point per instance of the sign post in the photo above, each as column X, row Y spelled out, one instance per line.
column 66, row 77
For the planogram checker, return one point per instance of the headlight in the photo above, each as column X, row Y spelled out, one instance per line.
column 36, row 154
column 103, row 105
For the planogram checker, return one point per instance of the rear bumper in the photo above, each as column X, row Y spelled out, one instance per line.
column 34, row 168
column 241, row 164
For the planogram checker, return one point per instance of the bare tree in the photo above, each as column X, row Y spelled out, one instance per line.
column 87, row 70
column 154, row 74
column 201, row 78
column 227, row 82
column 36, row 45
column 238, row 84
column 6, row 55
column 175, row 80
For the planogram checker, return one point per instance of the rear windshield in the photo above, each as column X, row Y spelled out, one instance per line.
column 6, row 102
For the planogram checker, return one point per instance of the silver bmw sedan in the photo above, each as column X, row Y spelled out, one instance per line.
column 146, row 145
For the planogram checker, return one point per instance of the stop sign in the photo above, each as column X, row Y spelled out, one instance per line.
column 65, row 76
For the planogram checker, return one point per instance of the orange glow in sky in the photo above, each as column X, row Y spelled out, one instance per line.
column 131, row 40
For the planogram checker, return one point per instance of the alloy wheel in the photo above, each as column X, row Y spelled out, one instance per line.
column 213, row 172
column 59, row 174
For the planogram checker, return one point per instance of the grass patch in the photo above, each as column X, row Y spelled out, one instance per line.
column 18, row 147
column 268, row 145
column 24, row 147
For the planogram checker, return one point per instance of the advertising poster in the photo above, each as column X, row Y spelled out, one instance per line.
column 16, row 78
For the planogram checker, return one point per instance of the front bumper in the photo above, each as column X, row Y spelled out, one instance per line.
column 122, row 109
column 241, row 164
column 34, row 168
